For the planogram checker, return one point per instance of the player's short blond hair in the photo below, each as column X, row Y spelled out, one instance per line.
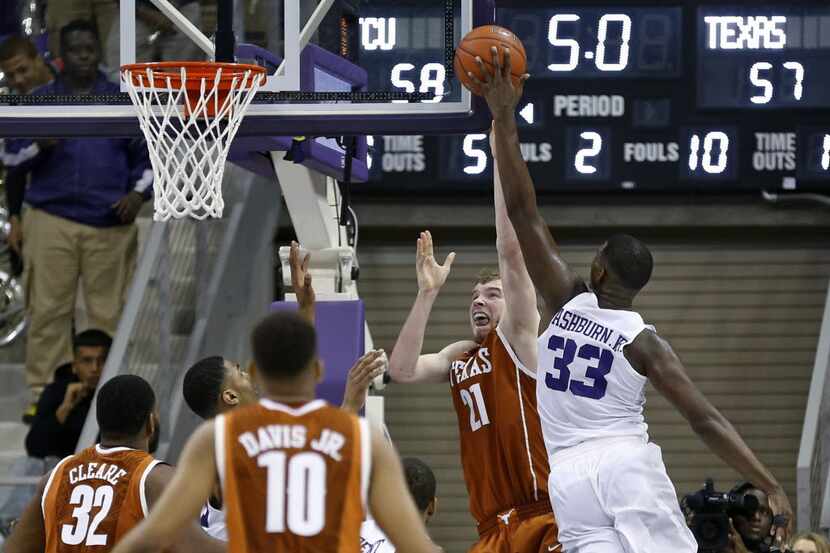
column 487, row 275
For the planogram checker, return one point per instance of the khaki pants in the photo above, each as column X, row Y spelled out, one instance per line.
column 58, row 254
column 104, row 13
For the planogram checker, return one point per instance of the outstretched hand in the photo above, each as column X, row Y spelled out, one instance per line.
column 365, row 370
column 431, row 275
column 501, row 94
column 301, row 277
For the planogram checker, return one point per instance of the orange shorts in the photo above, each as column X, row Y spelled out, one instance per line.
column 514, row 533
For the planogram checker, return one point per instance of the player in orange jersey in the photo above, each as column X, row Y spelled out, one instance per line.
column 296, row 473
column 91, row 499
column 493, row 385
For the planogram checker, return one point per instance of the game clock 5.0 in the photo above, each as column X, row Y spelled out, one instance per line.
column 566, row 42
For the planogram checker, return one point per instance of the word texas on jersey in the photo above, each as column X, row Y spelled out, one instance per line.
column 293, row 479
column 502, row 452
column 92, row 499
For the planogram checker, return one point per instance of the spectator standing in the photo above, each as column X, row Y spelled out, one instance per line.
column 24, row 70
column 84, row 196
column 102, row 13
column 62, row 409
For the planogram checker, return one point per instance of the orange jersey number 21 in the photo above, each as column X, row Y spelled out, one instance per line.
column 475, row 402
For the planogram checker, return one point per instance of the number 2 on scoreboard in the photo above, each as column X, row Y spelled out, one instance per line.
column 592, row 151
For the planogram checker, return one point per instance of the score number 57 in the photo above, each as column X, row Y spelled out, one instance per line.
column 757, row 78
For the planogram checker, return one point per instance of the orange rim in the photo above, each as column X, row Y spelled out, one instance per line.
column 197, row 70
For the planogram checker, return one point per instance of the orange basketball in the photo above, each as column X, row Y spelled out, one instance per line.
column 477, row 43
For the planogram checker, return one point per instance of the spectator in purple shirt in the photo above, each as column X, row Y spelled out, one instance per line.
column 83, row 197
column 25, row 70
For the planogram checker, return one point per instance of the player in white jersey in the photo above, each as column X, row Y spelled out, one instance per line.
column 608, row 485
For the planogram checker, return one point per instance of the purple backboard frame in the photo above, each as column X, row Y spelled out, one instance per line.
column 340, row 342
column 248, row 151
column 475, row 120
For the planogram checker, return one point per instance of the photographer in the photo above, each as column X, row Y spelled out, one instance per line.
column 738, row 521
column 751, row 530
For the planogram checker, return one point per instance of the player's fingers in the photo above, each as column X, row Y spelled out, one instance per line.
column 484, row 76
column 448, row 261
column 428, row 242
column 292, row 253
column 369, row 372
column 368, row 358
column 494, row 55
column 376, row 372
column 505, row 69
column 477, row 83
column 305, row 262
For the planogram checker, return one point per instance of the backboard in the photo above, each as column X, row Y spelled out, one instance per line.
column 337, row 67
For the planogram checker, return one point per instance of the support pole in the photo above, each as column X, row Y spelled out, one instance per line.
column 225, row 41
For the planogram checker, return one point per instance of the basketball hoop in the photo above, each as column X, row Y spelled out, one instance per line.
column 189, row 113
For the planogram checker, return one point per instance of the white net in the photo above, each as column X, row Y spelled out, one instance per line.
column 189, row 122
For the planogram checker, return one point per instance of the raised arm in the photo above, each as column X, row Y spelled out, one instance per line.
column 551, row 276
column 182, row 499
column 406, row 364
column 520, row 322
column 301, row 282
column 370, row 366
column 655, row 358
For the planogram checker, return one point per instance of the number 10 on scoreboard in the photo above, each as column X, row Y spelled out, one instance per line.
column 710, row 153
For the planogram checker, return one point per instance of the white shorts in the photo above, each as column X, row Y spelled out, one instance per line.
column 613, row 495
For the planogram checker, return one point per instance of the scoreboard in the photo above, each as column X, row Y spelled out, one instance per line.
column 708, row 96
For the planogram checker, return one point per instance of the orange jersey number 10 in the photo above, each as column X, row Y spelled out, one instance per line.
column 304, row 480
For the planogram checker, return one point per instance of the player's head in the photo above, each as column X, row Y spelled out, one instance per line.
column 285, row 354
column 22, row 64
column 421, row 483
column 126, row 413
column 623, row 264
column 214, row 385
column 91, row 348
column 487, row 305
column 80, row 49
column 753, row 527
